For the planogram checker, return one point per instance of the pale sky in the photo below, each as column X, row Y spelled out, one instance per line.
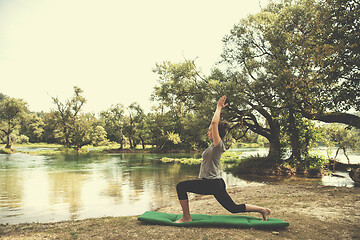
column 107, row 48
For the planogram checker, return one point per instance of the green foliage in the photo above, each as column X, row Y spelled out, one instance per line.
column 7, row 151
column 230, row 157
column 80, row 132
column 32, row 126
column 98, row 136
column 12, row 111
column 134, row 125
column 177, row 82
column 2, row 97
column 113, row 119
column 72, row 127
column 173, row 137
column 314, row 162
column 299, row 134
column 183, row 99
column 49, row 127
column 23, row 139
column 342, row 137
column 339, row 29
column 257, row 162
column 284, row 74
column 66, row 117
column 227, row 157
column 188, row 161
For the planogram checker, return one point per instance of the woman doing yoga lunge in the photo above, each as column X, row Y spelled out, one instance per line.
column 210, row 182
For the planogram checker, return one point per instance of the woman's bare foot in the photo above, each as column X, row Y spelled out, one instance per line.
column 265, row 213
column 183, row 220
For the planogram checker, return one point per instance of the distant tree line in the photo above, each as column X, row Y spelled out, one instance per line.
column 68, row 125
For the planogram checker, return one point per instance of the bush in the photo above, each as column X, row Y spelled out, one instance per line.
column 314, row 163
column 227, row 157
column 188, row 161
column 7, row 151
column 230, row 157
column 257, row 162
column 22, row 139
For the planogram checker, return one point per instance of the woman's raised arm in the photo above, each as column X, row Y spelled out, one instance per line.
column 216, row 119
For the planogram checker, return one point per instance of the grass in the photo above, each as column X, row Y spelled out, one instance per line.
column 256, row 162
column 38, row 145
column 54, row 149
column 227, row 157
column 7, row 151
column 249, row 145
column 49, row 151
column 187, row 161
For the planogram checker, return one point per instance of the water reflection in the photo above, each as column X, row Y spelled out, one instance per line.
column 11, row 191
column 340, row 179
column 66, row 188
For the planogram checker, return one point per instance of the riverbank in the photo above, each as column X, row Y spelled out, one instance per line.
column 313, row 211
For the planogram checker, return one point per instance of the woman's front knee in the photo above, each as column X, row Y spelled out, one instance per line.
column 180, row 186
column 182, row 195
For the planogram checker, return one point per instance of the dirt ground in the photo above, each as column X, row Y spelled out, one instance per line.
column 313, row 211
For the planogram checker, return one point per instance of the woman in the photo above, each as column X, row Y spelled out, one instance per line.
column 211, row 182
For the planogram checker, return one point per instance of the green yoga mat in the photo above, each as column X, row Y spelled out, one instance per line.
column 211, row 220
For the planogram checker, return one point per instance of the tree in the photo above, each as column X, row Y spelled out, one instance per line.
column 252, row 107
column 309, row 56
column 339, row 28
column 189, row 97
column 177, row 82
column 283, row 59
column 2, row 97
column 184, row 98
column 81, row 129
column 343, row 137
column 313, row 51
column 113, row 119
column 12, row 111
column 134, row 124
column 254, row 102
column 138, row 117
column 160, row 123
column 98, row 136
column 50, row 127
column 68, row 120
column 32, row 126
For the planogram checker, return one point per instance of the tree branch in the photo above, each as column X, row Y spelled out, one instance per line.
column 335, row 117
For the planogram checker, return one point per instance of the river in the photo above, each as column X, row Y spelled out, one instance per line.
column 36, row 188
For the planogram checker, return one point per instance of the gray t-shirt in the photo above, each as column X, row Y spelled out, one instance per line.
column 210, row 165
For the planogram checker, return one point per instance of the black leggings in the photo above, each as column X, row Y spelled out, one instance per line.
column 214, row 187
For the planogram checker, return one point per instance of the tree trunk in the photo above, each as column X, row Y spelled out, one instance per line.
column 347, row 157
column 142, row 141
column 337, row 152
column 121, row 145
column 274, row 141
column 130, row 142
column 8, row 144
column 134, row 143
column 274, row 149
column 294, row 137
column 77, row 151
